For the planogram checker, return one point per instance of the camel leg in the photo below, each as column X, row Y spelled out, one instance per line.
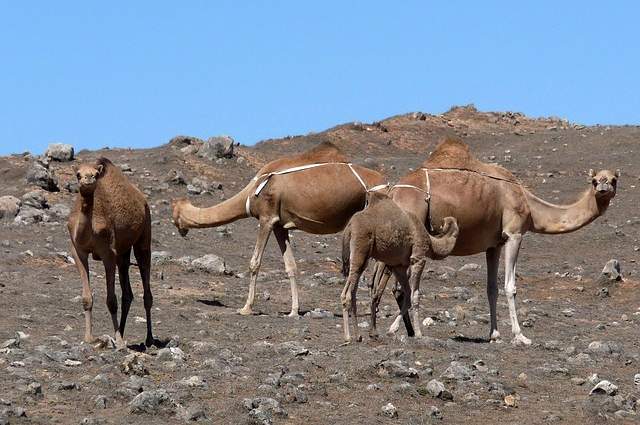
column 254, row 265
column 401, row 275
column 493, row 261
column 142, row 253
column 109, row 262
column 123, row 262
column 399, row 295
column 379, row 281
column 357, row 264
column 417, row 266
column 82, row 262
column 512, row 247
column 282, row 236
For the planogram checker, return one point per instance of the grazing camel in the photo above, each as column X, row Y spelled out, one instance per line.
column 317, row 192
column 387, row 233
column 110, row 218
column 493, row 211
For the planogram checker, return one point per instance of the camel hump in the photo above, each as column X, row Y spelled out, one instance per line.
column 454, row 153
column 324, row 152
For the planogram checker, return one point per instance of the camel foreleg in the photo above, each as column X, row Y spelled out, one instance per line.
column 512, row 247
column 82, row 263
column 254, row 266
column 493, row 261
column 282, row 236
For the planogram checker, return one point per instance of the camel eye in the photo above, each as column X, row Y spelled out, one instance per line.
column 614, row 182
column 594, row 182
column 78, row 176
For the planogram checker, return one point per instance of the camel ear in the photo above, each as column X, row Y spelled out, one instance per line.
column 592, row 173
column 617, row 172
column 100, row 169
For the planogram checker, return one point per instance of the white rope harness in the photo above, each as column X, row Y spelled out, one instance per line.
column 268, row 176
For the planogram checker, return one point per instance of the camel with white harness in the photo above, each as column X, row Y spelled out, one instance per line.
column 493, row 210
column 317, row 192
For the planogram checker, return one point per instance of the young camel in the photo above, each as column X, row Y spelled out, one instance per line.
column 385, row 232
column 317, row 192
column 493, row 211
column 110, row 218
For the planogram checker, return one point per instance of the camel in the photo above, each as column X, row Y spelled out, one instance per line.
column 317, row 192
column 493, row 210
column 111, row 217
column 387, row 233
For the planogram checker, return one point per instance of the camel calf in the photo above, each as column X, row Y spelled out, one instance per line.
column 110, row 218
column 386, row 233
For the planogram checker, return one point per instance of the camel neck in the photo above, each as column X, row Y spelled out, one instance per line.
column 553, row 219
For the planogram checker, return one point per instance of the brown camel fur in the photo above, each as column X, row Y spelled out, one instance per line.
column 493, row 211
column 316, row 200
column 385, row 232
column 110, row 218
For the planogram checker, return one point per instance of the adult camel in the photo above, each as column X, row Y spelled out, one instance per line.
column 317, row 192
column 493, row 210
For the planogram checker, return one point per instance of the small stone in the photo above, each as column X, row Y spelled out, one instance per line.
column 170, row 354
column 437, row 389
column 457, row 372
column 151, row 402
column 605, row 387
column 470, row 267
column 193, row 382
column 9, row 207
column 611, row 272
column 523, row 380
column 510, row 401
column 100, row 402
column 210, row 263
column 636, row 379
column 319, row 313
column 435, row 413
column 428, row 321
column 133, row 364
column 390, row 410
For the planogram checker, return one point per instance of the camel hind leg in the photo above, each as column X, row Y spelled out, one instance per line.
column 404, row 303
column 142, row 252
column 123, row 263
column 254, row 266
column 357, row 263
column 282, row 236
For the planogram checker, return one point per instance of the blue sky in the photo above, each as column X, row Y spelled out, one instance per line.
column 135, row 74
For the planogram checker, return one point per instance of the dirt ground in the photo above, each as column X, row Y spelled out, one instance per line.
column 218, row 364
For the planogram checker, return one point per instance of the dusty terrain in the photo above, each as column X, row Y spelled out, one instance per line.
column 217, row 364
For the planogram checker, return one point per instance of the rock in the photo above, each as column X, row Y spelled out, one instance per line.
column 428, row 321
column 193, row 190
column 30, row 215
column 42, row 177
column 292, row 347
column 100, row 402
column 59, row 152
column 160, row 257
column 181, row 142
column 34, row 388
column 170, row 354
column 217, row 147
column 319, row 313
column 457, row 372
column 71, row 186
column 470, row 267
column 437, row 389
column 175, row 177
column 60, row 210
column 210, row 263
column 193, row 382
column 194, row 413
column 611, row 272
column 604, row 348
column 35, row 199
column 133, row 364
column 435, row 413
column 151, row 402
column 390, row 410
column 396, row 368
column 9, row 207
column 636, row 379
column 604, row 387
column 511, row 400
column 65, row 386
column 265, row 404
column 338, row 378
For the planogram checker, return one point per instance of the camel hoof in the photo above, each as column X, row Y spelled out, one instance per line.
column 90, row 339
column 244, row 311
column 149, row 342
column 495, row 335
column 294, row 314
column 394, row 326
column 521, row 340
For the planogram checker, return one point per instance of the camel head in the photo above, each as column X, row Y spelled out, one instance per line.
column 87, row 175
column 604, row 184
column 443, row 243
column 176, row 206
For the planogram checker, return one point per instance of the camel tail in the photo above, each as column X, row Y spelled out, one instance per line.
column 346, row 250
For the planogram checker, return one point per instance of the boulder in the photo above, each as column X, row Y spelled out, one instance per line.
column 217, row 147
column 9, row 206
column 59, row 152
column 60, row 210
column 41, row 176
column 35, row 199
column 210, row 263
column 611, row 272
